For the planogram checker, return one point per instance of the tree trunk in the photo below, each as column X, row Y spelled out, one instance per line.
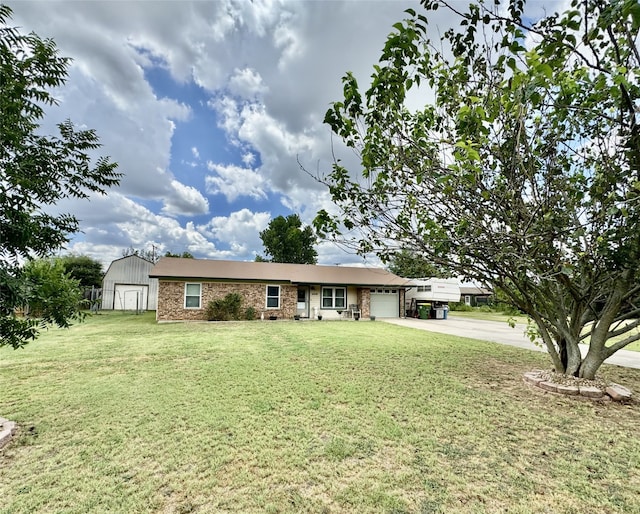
column 590, row 365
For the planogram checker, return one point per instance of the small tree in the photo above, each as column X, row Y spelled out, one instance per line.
column 523, row 172
column 36, row 171
column 52, row 296
column 285, row 240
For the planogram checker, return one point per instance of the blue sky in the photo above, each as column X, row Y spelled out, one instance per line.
column 207, row 106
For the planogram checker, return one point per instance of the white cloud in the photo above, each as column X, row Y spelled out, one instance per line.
column 233, row 181
column 270, row 68
column 247, row 83
column 248, row 158
column 185, row 200
column 240, row 231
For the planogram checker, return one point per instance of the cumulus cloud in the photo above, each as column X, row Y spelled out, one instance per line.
column 185, row 200
column 234, row 181
column 246, row 83
column 269, row 69
column 240, row 231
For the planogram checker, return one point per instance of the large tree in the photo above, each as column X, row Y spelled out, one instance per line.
column 86, row 270
column 285, row 240
column 36, row 171
column 522, row 170
column 408, row 264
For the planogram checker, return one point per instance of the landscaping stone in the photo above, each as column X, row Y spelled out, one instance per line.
column 596, row 389
column 7, row 429
column 568, row 390
column 533, row 377
column 619, row 393
column 591, row 392
column 548, row 386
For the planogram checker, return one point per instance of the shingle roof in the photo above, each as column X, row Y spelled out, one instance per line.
column 178, row 268
column 475, row 290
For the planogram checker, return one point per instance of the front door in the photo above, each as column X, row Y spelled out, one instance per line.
column 302, row 308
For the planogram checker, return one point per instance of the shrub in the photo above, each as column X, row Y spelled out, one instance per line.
column 225, row 309
column 460, row 306
column 250, row 313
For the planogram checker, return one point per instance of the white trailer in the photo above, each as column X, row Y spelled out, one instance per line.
column 430, row 296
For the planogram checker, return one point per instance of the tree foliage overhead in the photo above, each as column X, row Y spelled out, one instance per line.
column 285, row 240
column 36, row 171
column 405, row 263
column 523, row 172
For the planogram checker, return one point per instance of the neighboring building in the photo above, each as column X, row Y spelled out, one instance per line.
column 127, row 286
column 186, row 286
column 434, row 293
column 474, row 295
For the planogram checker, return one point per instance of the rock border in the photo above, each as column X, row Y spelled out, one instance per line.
column 587, row 389
column 7, row 431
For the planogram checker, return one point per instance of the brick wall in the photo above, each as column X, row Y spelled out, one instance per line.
column 171, row 299
column 364, row 301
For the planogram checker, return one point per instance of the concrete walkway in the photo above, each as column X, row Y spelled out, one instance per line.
column 499, row 332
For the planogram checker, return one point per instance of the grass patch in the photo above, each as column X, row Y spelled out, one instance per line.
column 121, row 414
column 488, row 316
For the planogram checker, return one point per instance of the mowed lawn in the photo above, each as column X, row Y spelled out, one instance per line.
column 120, row 414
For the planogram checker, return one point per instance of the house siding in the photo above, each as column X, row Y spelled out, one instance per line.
column 171, row 299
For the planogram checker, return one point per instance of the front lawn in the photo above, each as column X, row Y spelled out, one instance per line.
column 121, row 414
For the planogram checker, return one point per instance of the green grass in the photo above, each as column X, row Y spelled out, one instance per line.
column 121, row 414
column 489, row 316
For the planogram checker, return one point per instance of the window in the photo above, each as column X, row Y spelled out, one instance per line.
column 273, row 297
column 423, row 289
column 334, row 297
column 192, row 296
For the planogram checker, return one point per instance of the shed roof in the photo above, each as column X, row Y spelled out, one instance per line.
column 173, row 267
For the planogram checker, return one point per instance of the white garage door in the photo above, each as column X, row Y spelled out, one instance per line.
column 384, row 303
column 130, row 297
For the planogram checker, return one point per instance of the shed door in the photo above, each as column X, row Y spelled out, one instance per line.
column 384, row 303
column 130, row 297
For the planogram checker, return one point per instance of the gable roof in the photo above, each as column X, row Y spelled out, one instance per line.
column 177, row 268
column 128, row 258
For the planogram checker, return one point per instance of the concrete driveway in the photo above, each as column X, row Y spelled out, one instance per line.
column 499, row 332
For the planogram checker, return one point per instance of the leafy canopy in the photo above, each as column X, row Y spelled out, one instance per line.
column 87, row 271
column 285, row 240
column 522, row 171
column 36, row 171
column 405, row 263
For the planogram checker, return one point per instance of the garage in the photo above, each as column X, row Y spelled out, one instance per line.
column 130, row 297
column 384, row 303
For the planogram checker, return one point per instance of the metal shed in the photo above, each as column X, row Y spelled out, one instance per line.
column 127, row 286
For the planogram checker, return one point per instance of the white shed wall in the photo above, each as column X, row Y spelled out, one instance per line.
column 131, row 271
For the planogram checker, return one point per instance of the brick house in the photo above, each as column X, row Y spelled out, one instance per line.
column 186, row 286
